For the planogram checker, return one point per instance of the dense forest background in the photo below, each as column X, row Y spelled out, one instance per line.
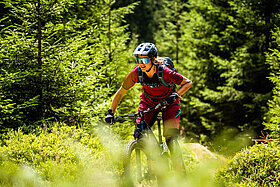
column 62, row 62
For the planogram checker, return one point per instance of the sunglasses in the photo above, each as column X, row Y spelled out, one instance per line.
column 142, row 60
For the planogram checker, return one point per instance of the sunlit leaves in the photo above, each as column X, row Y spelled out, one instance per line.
column 68, row 71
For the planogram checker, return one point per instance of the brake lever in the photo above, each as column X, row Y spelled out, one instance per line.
column 116, row 119
column 119, row 119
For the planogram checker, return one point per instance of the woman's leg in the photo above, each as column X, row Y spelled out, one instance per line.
column 171, row 116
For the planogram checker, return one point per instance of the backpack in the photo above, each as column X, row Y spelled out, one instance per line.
column 163, row 61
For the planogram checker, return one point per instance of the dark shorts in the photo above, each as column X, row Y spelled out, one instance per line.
column 170, row 114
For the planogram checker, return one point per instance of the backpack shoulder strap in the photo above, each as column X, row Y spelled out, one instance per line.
column 160, row 71
column 140, row 75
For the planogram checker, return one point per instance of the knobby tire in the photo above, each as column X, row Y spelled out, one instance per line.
column 137, row 165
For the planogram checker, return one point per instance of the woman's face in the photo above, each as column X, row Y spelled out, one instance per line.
column 142, row 61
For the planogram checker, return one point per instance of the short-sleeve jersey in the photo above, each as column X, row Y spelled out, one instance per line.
column 159, row 92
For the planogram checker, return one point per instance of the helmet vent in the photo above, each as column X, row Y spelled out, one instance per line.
column 146, row 49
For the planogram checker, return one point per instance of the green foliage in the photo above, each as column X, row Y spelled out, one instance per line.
column 226, row 42
column 58, row 60
column 272, row 119
column 60, row 155
column 142, row 23
column 64, row 155
column 190, row 160
column 230, row 141
column 254, row 166
column 65, row 149
column 170, row 17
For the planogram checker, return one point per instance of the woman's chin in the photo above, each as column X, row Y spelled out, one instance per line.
column 143, row 68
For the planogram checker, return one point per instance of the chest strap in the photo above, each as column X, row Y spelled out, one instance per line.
column 159, row 73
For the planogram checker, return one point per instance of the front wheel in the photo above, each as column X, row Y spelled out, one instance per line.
column 137, row 163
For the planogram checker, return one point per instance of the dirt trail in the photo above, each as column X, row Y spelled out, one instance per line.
column 200, row 151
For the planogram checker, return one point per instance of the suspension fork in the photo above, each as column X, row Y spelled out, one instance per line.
column 159, row 131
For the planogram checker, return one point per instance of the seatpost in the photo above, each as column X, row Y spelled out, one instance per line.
column 159, row 131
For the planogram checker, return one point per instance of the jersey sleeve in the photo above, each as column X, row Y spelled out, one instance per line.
column 131, row 78
column 172, row 76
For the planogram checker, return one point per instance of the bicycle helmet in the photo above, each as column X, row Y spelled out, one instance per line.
column 146, row 49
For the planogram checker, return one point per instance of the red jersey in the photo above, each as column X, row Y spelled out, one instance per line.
column 159, row 92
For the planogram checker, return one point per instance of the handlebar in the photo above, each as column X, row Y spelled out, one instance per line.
column 161, row 105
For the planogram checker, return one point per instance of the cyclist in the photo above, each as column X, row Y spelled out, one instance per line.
column 153, row 93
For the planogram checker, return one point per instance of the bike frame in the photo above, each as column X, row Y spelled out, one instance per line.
column 146, row 130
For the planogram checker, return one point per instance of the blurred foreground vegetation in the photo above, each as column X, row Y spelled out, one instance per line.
column 70, row 156
column 61, row 63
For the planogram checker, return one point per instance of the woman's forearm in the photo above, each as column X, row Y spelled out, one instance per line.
column 117, row 98
column 185, row 86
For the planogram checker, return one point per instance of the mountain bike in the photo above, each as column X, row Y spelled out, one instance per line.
column 143, row 155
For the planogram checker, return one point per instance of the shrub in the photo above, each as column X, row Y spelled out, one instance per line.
column 60, row 155
column 255, row 166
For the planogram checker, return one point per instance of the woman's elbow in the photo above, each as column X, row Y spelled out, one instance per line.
column 190, row 83
column 187, row 82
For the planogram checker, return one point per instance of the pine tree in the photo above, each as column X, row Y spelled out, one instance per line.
column 57, row 60
column 272, row 118
column 168, row 37
column 226, row 42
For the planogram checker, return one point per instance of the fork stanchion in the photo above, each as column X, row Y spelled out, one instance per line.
column 159, row 131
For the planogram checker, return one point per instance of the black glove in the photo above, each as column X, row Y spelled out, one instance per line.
column 110, row 116
column 172, row 98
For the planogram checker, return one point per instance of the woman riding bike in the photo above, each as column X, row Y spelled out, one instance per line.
column 153, row 93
